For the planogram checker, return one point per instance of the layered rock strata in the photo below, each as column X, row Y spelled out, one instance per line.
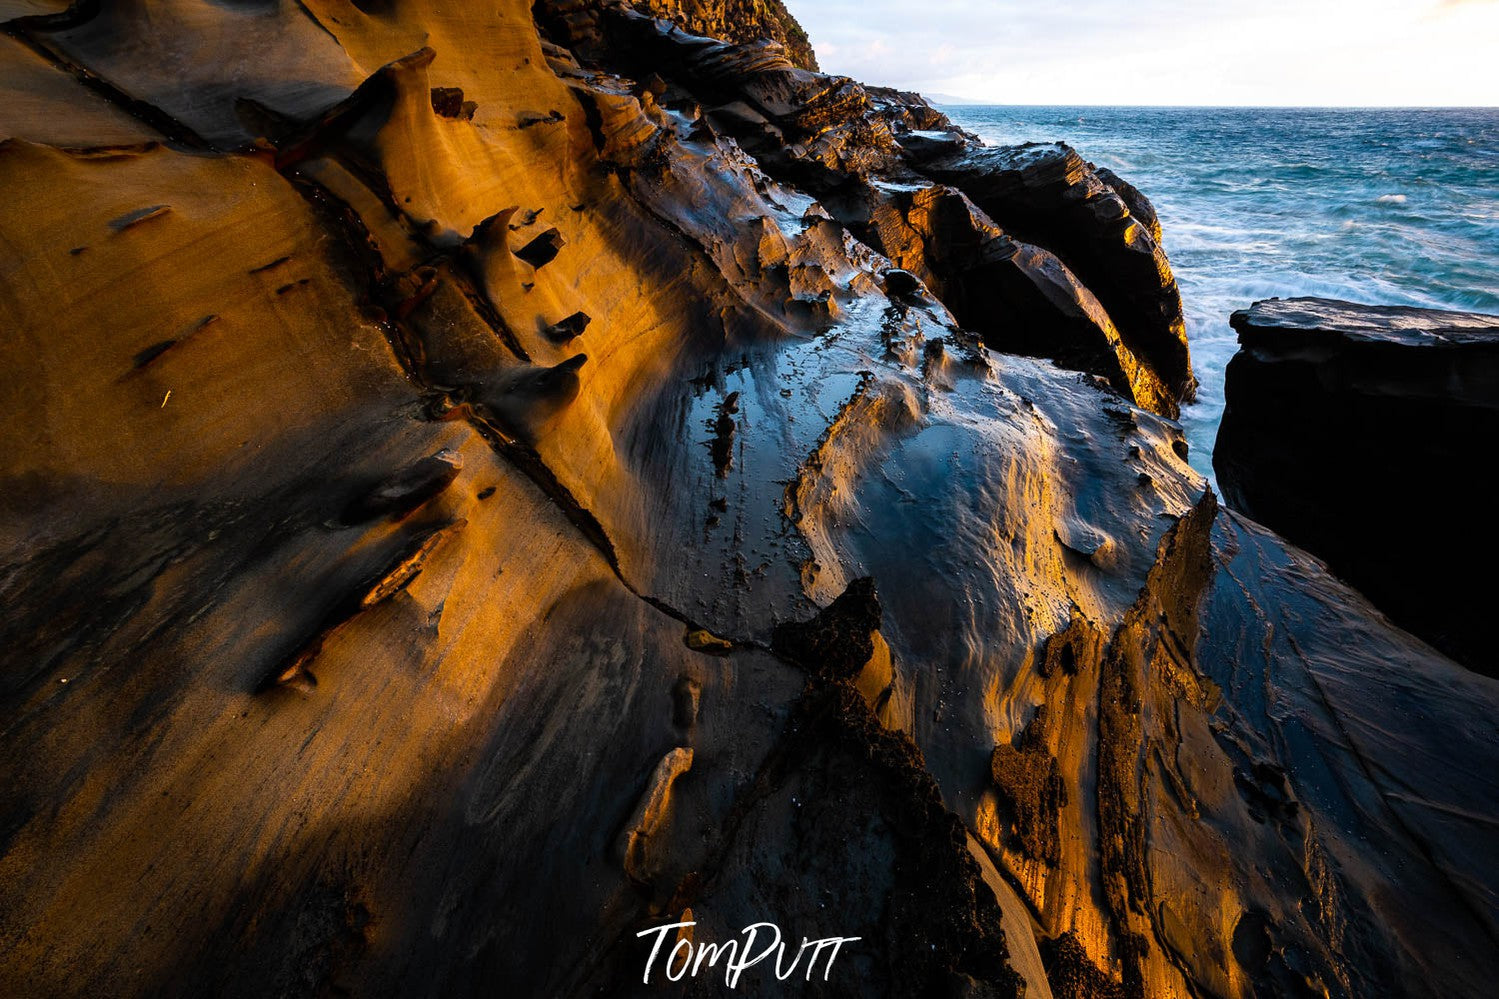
column 738, row 21
column 1028, row 246
column 365, row 634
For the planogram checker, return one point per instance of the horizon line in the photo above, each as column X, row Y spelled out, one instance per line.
column 954, row 101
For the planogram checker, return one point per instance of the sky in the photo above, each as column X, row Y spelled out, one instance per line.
column 1320, row 53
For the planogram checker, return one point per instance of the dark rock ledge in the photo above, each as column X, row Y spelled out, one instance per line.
column 1367, row 435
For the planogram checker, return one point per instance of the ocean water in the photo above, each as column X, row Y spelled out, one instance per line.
column 1389, row 207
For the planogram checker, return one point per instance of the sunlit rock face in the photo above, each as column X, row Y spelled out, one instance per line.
column 1353, row 430
column 1029, row 247
column 738, row 21
column 481, row 482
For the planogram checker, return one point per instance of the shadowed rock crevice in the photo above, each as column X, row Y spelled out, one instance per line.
column 1162, row 616
column 846, row 808
column 1072, row 973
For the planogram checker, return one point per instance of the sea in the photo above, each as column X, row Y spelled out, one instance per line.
column 1383, row 206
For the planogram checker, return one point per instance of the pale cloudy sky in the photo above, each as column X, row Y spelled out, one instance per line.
column 1266, row 52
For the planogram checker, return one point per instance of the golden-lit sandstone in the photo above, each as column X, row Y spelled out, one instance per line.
column 376, row 625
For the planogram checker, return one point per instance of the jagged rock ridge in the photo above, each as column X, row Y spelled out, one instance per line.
column 738, row 21
column 367, row 634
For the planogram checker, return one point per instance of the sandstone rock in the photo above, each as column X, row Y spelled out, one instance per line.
column 1047, row 194
column 528, row 399
column 1043, row 256
column 651, row 812
column 1352, row 430
column 1031, row 788
column 738, row 21
column 703, row 640
column 449, row 103
column 408, row 489
column 1268, row 787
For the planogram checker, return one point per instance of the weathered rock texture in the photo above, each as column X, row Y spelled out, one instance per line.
column 1028, row 247
column 738, row 21
column 1360, row 432
column 366, row 635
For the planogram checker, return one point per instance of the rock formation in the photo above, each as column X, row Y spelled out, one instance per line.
column 738, row 21
column 365, row 634
column 1358, row 432
column 1029, row 247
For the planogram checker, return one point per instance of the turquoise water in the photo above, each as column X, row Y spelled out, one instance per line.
column 1395, row 207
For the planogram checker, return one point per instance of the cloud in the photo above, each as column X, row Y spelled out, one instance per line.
column 1164, row 51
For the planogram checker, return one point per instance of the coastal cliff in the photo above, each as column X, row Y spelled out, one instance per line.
column 483, row 481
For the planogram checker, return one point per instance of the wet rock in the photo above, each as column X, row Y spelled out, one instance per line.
column 1047, row 195
column 1027, row 245
column 1263, row 786
column 1139, row 205
column 721, row 446
column 1020, row 298
column 498, row 714
column 1352, row 429
column 847, row 811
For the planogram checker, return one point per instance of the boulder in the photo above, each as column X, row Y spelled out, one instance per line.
column 1359, row 432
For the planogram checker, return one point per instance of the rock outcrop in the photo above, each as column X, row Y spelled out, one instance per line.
column 740, row 21
column 1029, row 247
column 374, row 628
column 1356, row 431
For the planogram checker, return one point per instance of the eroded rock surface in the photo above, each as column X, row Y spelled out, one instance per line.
column 1357, row 431
column 1029, row 246
column 738, row 21
column 361, row 626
